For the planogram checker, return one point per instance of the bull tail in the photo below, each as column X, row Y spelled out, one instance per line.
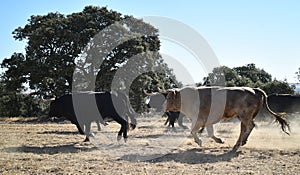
column 280, row 117
column 132, row 122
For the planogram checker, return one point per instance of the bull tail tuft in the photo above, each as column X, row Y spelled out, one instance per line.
column 132, row 124
column 280, row 117
column 284, row 124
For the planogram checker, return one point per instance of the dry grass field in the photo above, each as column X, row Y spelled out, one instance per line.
column 28, row 146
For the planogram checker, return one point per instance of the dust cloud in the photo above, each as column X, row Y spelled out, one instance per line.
column 267, row 134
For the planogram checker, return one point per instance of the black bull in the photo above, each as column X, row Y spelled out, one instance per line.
column 284, row 103
column 156, row 100
column 84, row 108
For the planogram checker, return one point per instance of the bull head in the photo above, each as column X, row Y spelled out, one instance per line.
column 173, row 100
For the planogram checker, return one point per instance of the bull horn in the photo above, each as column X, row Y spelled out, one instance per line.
column 149, row 94
column 48, row 100
column 159, row 90
column 162, row 91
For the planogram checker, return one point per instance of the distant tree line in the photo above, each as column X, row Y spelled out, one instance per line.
column 298, row 74
column 249, row 76
column 14, row 103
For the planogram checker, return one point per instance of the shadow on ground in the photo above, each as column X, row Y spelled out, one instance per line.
column 51, row 150
column 193, row 156
column 60, row 132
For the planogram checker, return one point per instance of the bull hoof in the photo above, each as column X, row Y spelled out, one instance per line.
column 92, row 134
column 86, row 139
column 119, row 137
column 243, row 143
column 199, row 142
column 219, row 140
column 201, row 131
column 234, row 149
column 125, row 140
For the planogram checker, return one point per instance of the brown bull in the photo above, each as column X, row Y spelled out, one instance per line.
column 206, row 106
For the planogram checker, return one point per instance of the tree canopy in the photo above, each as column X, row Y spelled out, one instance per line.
column 248, row 75
column 298, row 74
column 55, row 41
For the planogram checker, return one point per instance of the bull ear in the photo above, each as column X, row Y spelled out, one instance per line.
column 177, row 92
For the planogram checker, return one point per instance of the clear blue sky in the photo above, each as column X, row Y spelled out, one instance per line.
column 266, row 32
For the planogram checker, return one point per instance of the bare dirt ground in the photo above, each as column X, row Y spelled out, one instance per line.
column 31, row 147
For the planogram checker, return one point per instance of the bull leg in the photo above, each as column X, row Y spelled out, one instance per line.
column 120, row 133
column 168, row 118
column 126, row 119
column 246, row 128
column 210, row 132
column 119, row 137
column 239, row 141
column 79, row 127
column 99, row 120
column 180, row 121
column 194, row 133
column 249, row 128
column 98, row 125
column 132, row 121
column 172, row 121
column 87, row 131
column 123, row 130
column 167, row 121
column 196, row 138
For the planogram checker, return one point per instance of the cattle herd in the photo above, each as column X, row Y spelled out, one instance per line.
column 204, row 106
